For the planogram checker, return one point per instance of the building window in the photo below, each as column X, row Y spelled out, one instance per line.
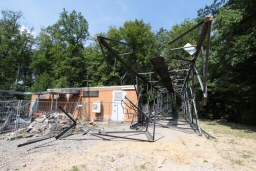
column 91, row 93
column 118, row 95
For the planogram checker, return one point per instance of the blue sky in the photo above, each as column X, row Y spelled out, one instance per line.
column 100, row 14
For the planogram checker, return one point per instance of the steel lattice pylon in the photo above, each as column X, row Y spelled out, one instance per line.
column 184, row 85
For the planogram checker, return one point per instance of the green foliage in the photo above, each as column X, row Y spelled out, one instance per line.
column 212, row 9
column 74, row 168
column 60, row 55
column 142, row 41
column 233, row 62
column 164, row 37
column 43, row 82
column 142, row 45
column 15, row 52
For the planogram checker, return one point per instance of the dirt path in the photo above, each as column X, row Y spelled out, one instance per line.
column 177, row 148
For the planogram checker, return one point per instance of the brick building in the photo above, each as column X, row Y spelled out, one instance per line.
column 90, row 103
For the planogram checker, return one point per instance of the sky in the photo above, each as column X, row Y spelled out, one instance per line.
column 100, row 14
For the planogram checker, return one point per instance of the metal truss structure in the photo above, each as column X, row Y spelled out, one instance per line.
column 180, row 80
column 187, row 87
column 183, row 85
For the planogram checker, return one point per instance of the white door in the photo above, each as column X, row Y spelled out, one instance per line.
column 118, row 111
column 117, row 114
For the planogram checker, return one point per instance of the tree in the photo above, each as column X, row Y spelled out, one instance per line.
column 61, row 49
column 142, row 42
column 142, row 47
column 15, row 52
column 212, row 9
column 165, row 36
column 233, row 62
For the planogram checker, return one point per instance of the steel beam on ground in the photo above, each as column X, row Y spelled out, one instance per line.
column 34, row 141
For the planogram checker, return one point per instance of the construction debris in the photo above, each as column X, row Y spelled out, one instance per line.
column 47, row 124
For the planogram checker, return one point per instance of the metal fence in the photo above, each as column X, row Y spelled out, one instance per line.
column 14, row 114
column 48, row 106
column 97, row 111
column 18, row 114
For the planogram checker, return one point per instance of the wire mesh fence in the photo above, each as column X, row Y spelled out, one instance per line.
column 14, row 114
column 17, row 114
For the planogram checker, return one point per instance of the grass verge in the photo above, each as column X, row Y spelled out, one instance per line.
column 235, row 129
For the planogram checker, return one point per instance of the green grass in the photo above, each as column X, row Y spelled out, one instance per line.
column 232, row 141
column 140, row 167
column 74, row 168
column 143, row 167
column 235, row 129
column 246, row 156
column 23, row 131
column 239, row 162
column 230, row 136
column 182, row 141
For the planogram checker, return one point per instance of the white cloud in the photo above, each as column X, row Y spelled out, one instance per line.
column 25, row 30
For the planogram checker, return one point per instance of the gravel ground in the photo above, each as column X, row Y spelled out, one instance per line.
column 177, row 147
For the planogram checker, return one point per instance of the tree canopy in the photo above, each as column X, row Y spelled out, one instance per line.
column 233, row 62
column 16, row 44
column 60, row 55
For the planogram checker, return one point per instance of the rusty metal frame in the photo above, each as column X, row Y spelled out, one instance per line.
column 187, row 91
column 145, row 119
column 186, row 73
